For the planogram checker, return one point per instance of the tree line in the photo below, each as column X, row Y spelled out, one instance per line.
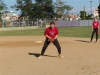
column 40, row 8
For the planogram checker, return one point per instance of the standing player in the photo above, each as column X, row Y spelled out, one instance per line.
column 51, row 34
column 95, row 27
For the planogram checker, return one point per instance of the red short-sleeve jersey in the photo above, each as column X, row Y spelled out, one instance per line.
column 51, row 32
column 95, row 24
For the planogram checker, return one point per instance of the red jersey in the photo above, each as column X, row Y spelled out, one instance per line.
column 95, row 24
column 51, row 32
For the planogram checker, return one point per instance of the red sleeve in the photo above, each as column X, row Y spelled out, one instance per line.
column 46, row 30
column 56, row 31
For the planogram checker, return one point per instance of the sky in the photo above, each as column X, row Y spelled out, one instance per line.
column 77, row 5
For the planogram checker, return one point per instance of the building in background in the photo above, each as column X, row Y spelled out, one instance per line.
column 96, row 15
column 74, row 17
column 9, row 15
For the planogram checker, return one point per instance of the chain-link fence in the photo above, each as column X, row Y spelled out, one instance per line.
column 40, row 23
column 44, row 22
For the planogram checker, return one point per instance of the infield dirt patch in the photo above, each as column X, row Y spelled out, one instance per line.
column 18, row 56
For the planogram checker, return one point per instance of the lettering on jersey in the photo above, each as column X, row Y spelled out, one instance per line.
column 95, row 24
column 52, row 32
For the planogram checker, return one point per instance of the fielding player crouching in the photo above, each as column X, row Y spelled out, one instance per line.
column 51, row 34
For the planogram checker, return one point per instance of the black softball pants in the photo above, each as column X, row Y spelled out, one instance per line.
column 46, row 43
column 95, row 31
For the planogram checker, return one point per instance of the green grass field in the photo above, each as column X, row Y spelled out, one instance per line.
column 83, row 32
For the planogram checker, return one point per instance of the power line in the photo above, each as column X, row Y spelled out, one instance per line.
column 77, row 1
column 69, row 2
column 81, row 2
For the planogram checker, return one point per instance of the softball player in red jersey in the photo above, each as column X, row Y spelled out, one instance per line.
column 95, row 27
column 51, row 32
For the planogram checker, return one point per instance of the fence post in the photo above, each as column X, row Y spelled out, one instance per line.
column 19, row 23
column 28, row 22
column 4, row 23
column 88, row 22
column 41, row 23
column 37, row 23
column 45, row 22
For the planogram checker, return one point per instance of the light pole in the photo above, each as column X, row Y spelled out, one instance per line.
column 99, row 2
column 84, row 13
column 91, row 7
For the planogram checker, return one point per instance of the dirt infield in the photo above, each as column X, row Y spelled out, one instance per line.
column 18, row 56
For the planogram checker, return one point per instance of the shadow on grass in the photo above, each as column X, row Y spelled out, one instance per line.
column 82, row 41
column 37, row 55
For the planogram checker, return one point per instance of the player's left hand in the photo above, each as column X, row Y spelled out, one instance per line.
column 51, row 39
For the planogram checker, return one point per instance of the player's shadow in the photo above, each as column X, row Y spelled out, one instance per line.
column 82, row 41
column 37, row 55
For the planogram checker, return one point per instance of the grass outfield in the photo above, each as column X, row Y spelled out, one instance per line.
column 84, row 32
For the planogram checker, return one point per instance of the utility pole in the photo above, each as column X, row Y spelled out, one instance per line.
column 99, row 2
column 91, row 7
column 84, row 13
column 57, row 5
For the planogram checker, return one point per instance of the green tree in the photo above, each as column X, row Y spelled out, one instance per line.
column 12, row 7
column 62, row 7
column 46, row 9
column 88, row 17
column 25, row 6
column 39, row 9
column 82, row 15
column 2, row 8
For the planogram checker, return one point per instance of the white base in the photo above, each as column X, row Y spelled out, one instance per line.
column 38, row 41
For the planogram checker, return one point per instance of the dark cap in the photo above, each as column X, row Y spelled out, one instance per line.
column 52, row 23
